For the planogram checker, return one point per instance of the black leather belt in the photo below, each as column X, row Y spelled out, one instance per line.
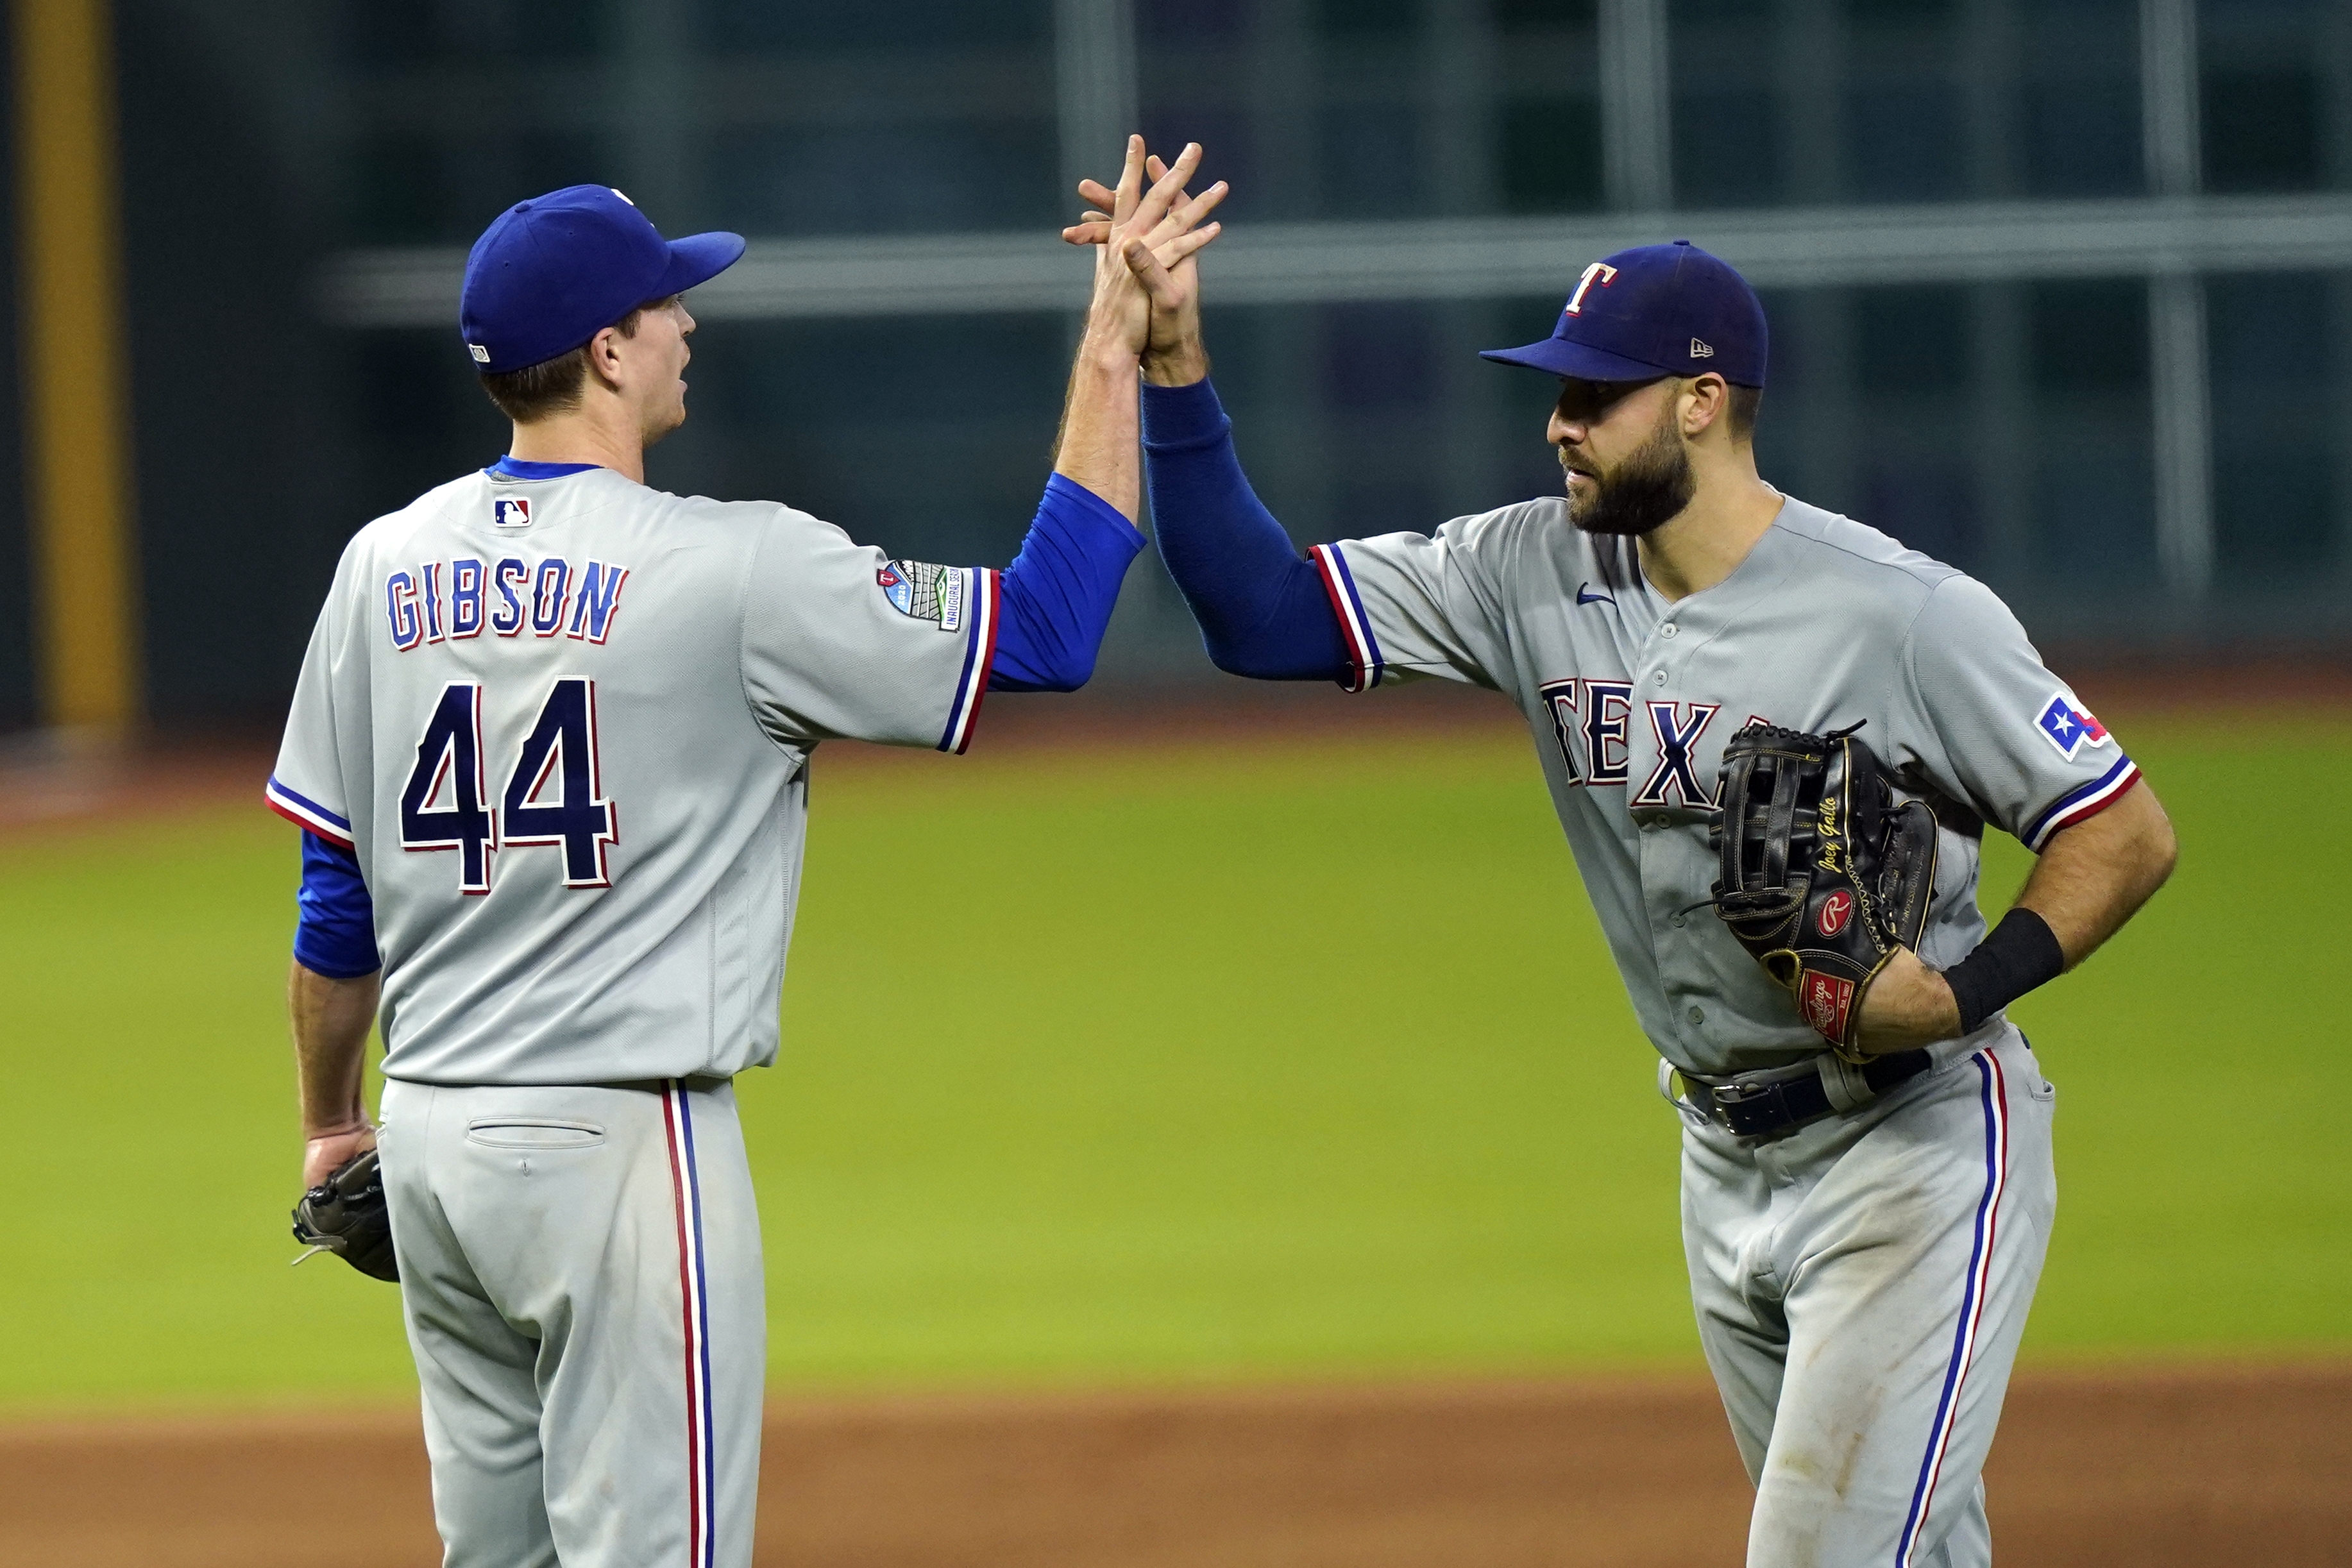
column 1758, row 1107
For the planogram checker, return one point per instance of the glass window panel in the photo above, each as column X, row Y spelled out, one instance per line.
column 1367, row 19
column 2261, row 128
column 2093, row 508
column 1903, row 140
column 2088, row 337
column 1550, row 151
column 1682, row 12
column 1168, row 20
column 558, row 29
column 807, row 27
column 1928, row 502
column 1727, row 149
column 2274, row 503
column 2082, row 137
column 376, row 34
column 832, row 179
column 1514, row 15
column 1378, row 357
column 1905, row 12
column 1371, row 167
column 1911, row 340
column 399, row 190
column 2092, row 502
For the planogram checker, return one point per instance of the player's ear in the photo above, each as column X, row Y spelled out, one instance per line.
column 603, row 355
column 1706, row 404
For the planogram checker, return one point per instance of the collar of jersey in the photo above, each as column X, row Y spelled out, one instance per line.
column 516, row 469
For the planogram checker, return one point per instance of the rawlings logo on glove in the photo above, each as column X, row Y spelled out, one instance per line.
column 1824, row 872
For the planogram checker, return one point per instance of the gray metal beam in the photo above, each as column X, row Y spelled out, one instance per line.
column 2179, row 393
column 2169, row 122
column 1094, row 90
column 1637, row 128
column 1458, row 258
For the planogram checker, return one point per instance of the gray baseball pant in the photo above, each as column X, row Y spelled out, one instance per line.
column 1862, row 1285
column 581, row 1277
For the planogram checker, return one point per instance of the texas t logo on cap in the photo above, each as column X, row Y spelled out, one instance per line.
column 1602, row 270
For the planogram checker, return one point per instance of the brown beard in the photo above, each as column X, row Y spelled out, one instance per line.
column 1641, row 494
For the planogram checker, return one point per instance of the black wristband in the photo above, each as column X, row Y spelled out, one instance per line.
column 2019, row 954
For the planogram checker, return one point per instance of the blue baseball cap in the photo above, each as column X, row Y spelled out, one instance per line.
column 556, row 270
column 1654, row 310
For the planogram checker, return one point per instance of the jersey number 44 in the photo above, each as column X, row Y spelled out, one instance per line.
column 555, row 794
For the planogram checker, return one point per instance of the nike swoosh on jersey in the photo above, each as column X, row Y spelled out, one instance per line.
column 1585, row 595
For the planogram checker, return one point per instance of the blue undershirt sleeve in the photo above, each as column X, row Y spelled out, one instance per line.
column 1054, row 601
column 1263, row 610
column 336, row 933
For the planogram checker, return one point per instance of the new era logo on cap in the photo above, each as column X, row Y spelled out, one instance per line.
column 1700, row 350
column 481, row 355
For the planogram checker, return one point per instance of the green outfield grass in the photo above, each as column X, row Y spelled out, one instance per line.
column 1231, row 1061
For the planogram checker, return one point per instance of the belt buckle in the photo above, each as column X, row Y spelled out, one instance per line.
column 1748, row 1109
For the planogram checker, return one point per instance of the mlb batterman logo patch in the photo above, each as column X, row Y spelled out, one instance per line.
column 511, row 512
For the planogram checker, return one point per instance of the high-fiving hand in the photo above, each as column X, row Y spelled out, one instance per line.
column 1147, row 283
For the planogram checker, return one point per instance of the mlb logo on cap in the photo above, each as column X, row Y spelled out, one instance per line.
column 1654, row 310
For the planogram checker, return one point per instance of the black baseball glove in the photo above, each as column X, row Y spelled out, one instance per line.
column 1824, row 874
column 346, row 1215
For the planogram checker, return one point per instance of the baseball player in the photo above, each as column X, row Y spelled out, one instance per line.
column 1863, row 1230
column 549, row 753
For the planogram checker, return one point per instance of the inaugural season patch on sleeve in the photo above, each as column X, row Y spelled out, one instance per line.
column 926, row 592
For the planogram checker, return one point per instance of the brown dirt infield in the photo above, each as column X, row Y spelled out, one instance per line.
column 2153, row 1468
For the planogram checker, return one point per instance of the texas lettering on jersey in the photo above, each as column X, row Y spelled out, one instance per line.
column 1591, row 717
column 450, row 600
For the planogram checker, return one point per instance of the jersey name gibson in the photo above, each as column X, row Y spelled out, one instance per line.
column 444, row 600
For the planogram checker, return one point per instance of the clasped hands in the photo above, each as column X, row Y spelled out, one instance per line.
column 1146, row 299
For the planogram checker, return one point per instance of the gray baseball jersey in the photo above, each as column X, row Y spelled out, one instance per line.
column 1630, row 697
column 565, row 722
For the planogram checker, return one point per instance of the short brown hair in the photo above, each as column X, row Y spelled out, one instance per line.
column 1741, row 412
column 552, row 386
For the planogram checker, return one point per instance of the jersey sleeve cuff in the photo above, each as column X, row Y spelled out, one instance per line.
column 979, row 657
column 2082, row 803
column 1183, row 419
column 305, row 813
column 1364, row 664
column 1071, row 492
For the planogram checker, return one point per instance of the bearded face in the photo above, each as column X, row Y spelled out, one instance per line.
column 1639, row 493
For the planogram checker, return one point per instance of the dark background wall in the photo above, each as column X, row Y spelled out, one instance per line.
column 2004, row 425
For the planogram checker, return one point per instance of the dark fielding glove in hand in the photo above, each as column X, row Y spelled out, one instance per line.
column 1824, row 875
column 346, row 1215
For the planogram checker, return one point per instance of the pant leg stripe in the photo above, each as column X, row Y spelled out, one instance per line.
column 1994, row 1094
column 687, row 1188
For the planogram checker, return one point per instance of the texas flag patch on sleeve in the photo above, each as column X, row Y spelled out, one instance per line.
column 2068, row 725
